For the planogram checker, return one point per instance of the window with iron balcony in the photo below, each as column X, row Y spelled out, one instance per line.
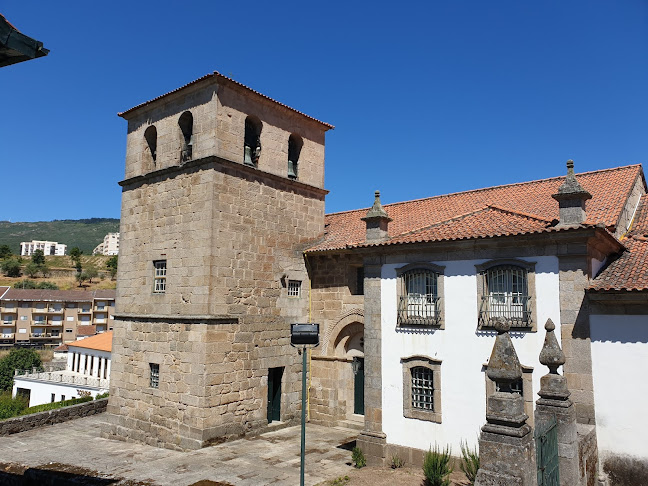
column 506, row 290
column 420, row 288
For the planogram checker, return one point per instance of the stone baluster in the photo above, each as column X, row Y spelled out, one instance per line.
column 506, row 446
column 553, row 403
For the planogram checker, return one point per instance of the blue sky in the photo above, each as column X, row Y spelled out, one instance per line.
column 427, row 97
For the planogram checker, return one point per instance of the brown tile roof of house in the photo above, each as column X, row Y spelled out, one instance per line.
column 61, row 347
column 58, row 295
column 512, row 209
column 220, row 76
column 630, row 270
column 86, row 330
column 3, row 290
column 100, row 342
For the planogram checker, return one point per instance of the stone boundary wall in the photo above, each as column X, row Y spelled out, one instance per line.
column 50, row 417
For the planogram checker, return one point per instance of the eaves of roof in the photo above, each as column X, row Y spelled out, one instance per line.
column 219, row 76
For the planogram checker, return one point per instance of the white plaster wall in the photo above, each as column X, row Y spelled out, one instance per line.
column 41, row 392
column 462, row 349
column 619, row 363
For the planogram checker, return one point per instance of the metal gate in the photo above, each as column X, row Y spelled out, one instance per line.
column 546, row 437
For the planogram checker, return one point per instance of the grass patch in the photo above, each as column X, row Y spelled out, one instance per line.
column 53, row 406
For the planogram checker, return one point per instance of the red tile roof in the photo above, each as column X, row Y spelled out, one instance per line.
column 494, row 211
column 630, row 270
column 218, row 75
column 100, row 342
column 86, row 330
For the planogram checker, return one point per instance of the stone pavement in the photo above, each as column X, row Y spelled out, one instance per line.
column 271, row 458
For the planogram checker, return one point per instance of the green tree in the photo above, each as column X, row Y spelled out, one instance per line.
column 111, row 265
column 32, row 269
column 5, row 252
column 11, row 267
column 45, row 270
column 79, row 268
column 11, row 407
column 17, row 359
column 75, row 254
column 91, row 273
column 38, row 257
column 81, row 277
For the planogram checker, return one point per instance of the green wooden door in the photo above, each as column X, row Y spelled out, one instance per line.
column 274, row 394
column 358, row 388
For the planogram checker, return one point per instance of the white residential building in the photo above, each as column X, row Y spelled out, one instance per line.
column 49, row 247
column 109, row 246
column 88, row 370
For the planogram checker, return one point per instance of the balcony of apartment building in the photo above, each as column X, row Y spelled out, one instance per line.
column 5, row 323
column 85, row 310
column 55, row 309
column 9, row 309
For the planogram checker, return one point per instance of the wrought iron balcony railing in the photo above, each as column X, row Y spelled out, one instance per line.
column 516, row 309
column 419, row 310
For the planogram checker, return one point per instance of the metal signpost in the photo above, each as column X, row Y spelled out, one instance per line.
column 304, row 336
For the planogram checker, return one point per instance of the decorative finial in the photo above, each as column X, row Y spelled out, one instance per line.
column 551, row 354
column 503, row 366
column 377, row 211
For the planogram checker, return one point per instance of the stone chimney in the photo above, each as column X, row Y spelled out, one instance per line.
column 377, row 222
column 571, row 199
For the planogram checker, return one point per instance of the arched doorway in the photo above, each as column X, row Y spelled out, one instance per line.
column 349, row 344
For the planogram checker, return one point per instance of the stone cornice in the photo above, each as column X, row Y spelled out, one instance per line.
column 204, row 162
column 186, row 319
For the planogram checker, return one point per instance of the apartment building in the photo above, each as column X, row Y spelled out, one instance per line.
column 52, row 317
column 109, row 246
column 49, row 247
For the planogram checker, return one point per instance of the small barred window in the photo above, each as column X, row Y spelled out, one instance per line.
column 154, row 379
column 506, row 295
column 294, row 288
column 422, row 388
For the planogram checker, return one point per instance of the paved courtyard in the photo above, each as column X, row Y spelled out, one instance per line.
column 272, row 458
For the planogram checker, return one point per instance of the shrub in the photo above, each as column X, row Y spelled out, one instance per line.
column 397, row 462
column 436, row 466
column 358, row 458
column 17, row 359
column 11, row 407
column 469, row 462
column 47, row 286
column 25, row 284
column 102, row 395
column 53, row 406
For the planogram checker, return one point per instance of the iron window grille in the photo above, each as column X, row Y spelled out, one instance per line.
column 419, row 301
column 154, row 380
column 506, row 296
column 422, row 388
column 159, row 282
column 294, row 288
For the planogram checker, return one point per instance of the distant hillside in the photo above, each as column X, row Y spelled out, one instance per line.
column 84, row 233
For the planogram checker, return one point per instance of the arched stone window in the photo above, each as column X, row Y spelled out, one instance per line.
column 150, row 134
column 506, row 289
column 295, row 144
column 252, row 141
column 185, row 122
column 419, row 295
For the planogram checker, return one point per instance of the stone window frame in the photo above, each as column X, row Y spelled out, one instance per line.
column 433, row 365
column 529, row 266
column 439, row 270
column 527, row 389
column 159, row 277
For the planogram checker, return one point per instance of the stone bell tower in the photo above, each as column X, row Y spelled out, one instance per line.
column 223, row 189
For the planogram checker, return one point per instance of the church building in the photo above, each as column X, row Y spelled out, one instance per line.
column 224, row 243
